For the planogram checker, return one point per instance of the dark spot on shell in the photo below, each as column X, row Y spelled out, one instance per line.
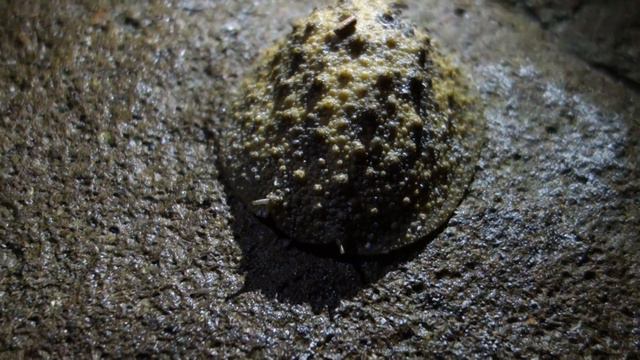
column 308, row 31
column 357, row 47
column 416, row 89
column 313, row 95
column 388, row 20
column 280, row 92
column 368, row 124
column 416, row 137
column 390, row 109
column 297, row 59
column 422, row 58
column 344, row 78
column 385, row 83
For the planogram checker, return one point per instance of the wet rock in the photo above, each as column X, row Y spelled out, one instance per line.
column 603, row 33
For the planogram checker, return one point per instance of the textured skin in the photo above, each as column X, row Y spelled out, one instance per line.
column 353, row 131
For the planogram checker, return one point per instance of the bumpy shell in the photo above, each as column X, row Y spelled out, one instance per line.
column 352, row 132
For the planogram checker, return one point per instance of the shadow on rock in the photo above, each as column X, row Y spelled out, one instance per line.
column 289, row 272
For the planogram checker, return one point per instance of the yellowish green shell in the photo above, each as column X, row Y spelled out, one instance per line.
column 353, row 132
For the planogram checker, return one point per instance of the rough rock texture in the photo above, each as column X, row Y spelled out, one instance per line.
column 604, row 33
column 116, row 238
column 353, row 133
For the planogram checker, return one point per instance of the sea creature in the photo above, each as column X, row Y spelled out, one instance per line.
column 354, row 132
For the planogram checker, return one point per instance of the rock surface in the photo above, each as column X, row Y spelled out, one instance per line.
column 604, row 33
column 118, row 238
